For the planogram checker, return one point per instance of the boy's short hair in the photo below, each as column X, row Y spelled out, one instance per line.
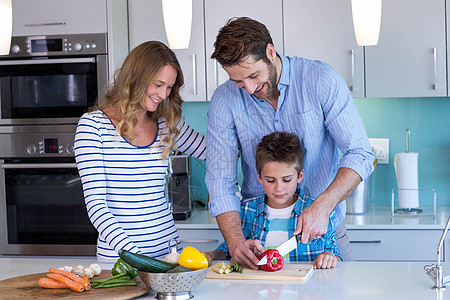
column 279, row 147
column 239, row 38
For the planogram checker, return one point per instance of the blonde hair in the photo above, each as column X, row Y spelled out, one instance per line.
column 131, row 81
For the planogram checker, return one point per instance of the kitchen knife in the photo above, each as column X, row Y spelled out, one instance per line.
column 284, row 248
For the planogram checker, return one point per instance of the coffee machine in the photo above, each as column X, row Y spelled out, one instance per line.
column 178, row 186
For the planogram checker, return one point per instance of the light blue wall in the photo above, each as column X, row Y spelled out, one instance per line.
column 428, row 120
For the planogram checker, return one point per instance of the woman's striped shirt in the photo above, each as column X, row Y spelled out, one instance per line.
column 124, row 186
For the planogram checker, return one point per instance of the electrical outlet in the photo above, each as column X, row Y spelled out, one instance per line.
column 381, row 149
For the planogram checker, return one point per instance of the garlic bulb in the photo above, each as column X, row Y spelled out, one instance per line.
column 172, row 257
column 97, row 269
column 88, row 272
column 66, row 268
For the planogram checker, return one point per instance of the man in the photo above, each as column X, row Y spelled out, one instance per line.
column 269, row 92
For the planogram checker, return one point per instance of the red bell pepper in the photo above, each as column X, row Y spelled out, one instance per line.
column 275, row 261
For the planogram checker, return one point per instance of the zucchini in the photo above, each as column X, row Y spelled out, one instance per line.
column 145, row 263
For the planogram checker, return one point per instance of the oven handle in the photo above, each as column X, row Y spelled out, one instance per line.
column 48, row 61
column 39, row 166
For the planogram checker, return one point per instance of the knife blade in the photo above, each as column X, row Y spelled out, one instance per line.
column 284, row 248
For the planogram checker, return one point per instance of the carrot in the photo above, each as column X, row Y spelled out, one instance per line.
column 72, row 276
column 85, row 278
column 49, row 283
column 75, row 286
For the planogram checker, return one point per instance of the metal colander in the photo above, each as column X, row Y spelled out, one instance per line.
column 174, row 282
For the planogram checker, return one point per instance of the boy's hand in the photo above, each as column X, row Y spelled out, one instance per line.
column 325, row 260
column 246, row 253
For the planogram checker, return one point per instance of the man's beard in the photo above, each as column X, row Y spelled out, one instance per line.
column 271, row 80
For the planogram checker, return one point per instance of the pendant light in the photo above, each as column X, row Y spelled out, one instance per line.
column 178, row 22
column 5, row 26
column 366, row 21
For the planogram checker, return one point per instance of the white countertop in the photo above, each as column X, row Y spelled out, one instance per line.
column 351, row 280
column 375, row 218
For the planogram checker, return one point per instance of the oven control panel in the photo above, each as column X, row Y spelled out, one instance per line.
column 58, row 45
column 49, row 146
column 37, row 141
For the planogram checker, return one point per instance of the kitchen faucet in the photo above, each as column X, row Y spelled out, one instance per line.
column 435, row 271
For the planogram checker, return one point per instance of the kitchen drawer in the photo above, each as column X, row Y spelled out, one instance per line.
column 201, row 239
column 394, row 245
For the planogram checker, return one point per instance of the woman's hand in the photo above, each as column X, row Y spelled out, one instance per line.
column 325, row 260
column 215, row 254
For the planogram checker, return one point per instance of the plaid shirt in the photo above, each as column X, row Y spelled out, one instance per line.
column 254, row 223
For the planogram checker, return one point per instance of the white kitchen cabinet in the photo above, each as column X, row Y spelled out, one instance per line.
column 202, row 75
column 47, row 17
column 146, row 23
column 410, row 58
column 217, row 12
column 201, row 239
column 323, row 30
column 394, row 245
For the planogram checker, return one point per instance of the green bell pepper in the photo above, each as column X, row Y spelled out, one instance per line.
column 122, row 267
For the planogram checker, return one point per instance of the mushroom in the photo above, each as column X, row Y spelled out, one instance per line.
column 79, row 270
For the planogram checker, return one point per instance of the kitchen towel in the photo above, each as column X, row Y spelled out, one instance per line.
column 406, row 171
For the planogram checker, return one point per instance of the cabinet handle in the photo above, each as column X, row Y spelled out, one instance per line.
column 45, row 24
column 200, row 241
column 366, row 242
column 435, row 85
column 352, row 59
column 194, row 71
column 216, row 72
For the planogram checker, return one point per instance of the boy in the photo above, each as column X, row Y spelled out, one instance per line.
column 273, row 217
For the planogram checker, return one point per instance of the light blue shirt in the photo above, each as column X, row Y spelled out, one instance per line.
column 314, row 103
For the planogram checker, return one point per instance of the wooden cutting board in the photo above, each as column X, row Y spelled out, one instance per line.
column 297, row 272
column 27, row 287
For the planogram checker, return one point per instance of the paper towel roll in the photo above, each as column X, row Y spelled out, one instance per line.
column 406, row 171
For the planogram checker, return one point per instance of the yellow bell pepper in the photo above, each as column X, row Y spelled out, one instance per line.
column 193, row 259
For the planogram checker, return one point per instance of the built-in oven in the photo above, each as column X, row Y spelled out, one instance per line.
column 46, row 84
column 52, row 79
column 42, row 209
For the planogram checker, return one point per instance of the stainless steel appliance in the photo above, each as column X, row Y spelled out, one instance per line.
column 179, row 187
column 42, row 210
column 46, row 83
column 51, row 79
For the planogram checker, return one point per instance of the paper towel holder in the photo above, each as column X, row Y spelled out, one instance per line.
column 410, row 211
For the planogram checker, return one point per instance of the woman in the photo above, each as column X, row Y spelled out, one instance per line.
column 121, row 150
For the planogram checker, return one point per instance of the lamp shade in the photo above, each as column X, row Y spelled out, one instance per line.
column 366, row 21
column 5, row 26
column 178, row 22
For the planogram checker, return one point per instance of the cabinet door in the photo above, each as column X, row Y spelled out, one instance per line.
column 217, row 12
column 201, row 239
column 323, row 30
column 394, row 245
column 46, row 17
column 146, row 23
column 410, row 58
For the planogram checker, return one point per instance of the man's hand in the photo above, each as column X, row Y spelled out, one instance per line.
column 246, row 253
column 313, row 222
column 314, row 219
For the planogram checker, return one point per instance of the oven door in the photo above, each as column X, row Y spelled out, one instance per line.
column 50, row 90
column 43, row 210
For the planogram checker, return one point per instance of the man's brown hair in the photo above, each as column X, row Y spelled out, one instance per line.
column 280, row 147
column 239, row 38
